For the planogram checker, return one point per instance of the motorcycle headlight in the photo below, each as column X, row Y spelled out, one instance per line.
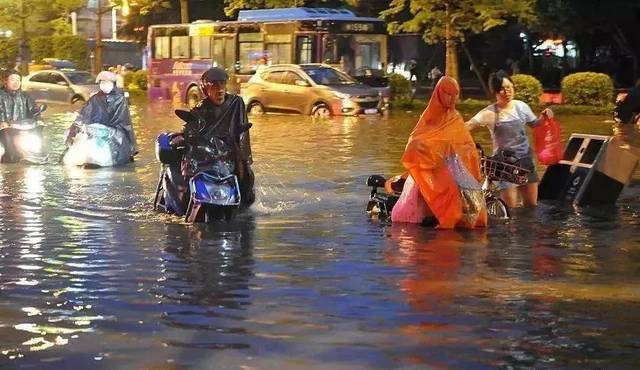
column 30, row 143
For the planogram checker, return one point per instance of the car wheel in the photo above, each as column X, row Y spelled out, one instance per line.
column 77, row 100
column 321, row 110
column 193, row 96
column 255, row 108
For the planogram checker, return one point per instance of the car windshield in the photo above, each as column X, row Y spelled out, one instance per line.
column 80, row 78
column 328, row 76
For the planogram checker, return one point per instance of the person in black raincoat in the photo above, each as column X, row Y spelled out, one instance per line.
column 627, row 109
column 15, row 104
column 109, row 107
column 221, row 115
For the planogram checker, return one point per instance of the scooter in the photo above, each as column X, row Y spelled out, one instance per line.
column 97, row 145
column 213, row 188
column 22, row 140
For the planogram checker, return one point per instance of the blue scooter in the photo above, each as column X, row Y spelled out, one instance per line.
column 213, row 188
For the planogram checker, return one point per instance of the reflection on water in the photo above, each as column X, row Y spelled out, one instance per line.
column 91, row 277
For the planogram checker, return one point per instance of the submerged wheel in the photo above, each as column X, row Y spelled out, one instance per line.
column 321, row 110
column 255, row 108
column 193, row 96
column 77, row 100
column 497, row 208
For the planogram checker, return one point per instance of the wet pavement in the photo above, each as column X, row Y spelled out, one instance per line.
column 91, row 277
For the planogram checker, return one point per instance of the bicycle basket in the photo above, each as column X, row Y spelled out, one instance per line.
column 501, row 171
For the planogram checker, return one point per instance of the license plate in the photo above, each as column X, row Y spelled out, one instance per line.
column 371, row 111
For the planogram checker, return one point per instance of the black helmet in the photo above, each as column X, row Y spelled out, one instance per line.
column 214, row 74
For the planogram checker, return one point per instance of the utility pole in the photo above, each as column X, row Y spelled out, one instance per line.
column 100, row 10
column 184, row 11
column 24, row 63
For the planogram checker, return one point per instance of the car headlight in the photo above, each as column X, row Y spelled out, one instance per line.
column 340, row 95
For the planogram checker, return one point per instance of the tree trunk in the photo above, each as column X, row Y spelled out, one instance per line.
column 98, row 38
column 477, row 72
column 184, row 11
column 451, row 55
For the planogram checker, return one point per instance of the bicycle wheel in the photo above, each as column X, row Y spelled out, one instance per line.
column 497, row 208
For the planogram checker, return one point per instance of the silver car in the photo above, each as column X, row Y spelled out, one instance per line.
column 316, row 89
column 56, row 86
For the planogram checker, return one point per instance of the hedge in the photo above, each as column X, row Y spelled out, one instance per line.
column 400, row 85
column 72, row 48
column 528, row 88
column 587, row 88
column 41, row 47
column 136, row 80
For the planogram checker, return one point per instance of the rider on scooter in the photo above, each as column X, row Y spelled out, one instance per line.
column 15, row 104
column 223, row 115
column 108, row 107
column 627, row 109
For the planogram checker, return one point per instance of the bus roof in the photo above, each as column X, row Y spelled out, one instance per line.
column 293, row 14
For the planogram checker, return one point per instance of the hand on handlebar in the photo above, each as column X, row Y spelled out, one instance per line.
column 177, row 140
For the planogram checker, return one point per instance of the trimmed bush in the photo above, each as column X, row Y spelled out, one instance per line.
column 41, row 47
column 528, row 88
column 72, row 48
column 136, row 80
column 587, row 88
column 8, row 52
column 400, row 86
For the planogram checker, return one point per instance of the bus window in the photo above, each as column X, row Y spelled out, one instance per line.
column 223, row 53
column 305, row 47
column 278, row 48
column 161, row 47
column 369, row 55
column 279, row 53
column 179, row 47
column 229, row 52
column 201, row 47
column 251, row 52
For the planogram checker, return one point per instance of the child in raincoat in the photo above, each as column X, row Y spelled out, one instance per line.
column 443, row 167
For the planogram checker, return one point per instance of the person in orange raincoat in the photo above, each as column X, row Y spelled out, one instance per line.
column 440, row 135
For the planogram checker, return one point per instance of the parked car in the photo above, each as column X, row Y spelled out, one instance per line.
column 60, row 86
column 376, row 79
column 316, row 89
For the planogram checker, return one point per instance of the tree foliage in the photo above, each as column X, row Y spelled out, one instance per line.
column 452, row 20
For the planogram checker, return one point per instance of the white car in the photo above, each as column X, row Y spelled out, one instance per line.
column 60, row 86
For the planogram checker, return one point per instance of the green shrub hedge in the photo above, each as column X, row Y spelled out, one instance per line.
column 400, row 85
column 136, row 80
column 528, row 88
column 41, row 47
column 72, row 48
column 587, row 88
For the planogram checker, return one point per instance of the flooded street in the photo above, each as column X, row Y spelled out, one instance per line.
column 92, row 278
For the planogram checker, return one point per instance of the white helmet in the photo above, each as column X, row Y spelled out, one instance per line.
column 106, row 76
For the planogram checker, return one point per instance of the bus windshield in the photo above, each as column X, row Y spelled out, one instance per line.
column 328, row 76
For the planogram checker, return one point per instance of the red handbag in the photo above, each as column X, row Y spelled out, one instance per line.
column 547, row 141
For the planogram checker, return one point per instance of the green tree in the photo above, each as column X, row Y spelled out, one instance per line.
column 450, row 21
column 232, row 6
column 143, row 13
column 29, row 18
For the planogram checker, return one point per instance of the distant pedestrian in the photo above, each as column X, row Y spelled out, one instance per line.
column 413, row 69
column 434, row 75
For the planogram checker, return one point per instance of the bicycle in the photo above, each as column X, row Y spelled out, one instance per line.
column 500, row 167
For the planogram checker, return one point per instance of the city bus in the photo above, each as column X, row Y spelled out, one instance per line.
column 179, row 53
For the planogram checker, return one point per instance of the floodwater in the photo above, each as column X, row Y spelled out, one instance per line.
column 92, row 278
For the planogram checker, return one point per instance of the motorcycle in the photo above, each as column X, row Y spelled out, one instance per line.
column 97, row 145
column 212, row 187
column 22, row 140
